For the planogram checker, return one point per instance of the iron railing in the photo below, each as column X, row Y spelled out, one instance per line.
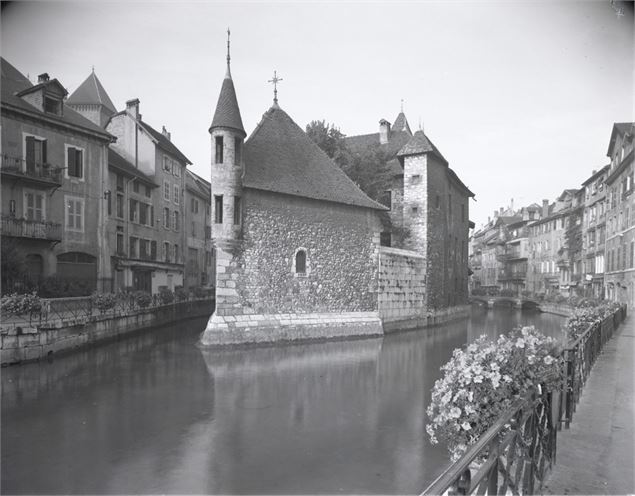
column 82, row 309
column 17, row 166
column 517, row 452
column 27, row 228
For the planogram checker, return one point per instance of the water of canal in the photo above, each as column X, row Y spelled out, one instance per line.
column 156, row 414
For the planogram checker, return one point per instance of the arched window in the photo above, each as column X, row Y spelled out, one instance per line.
column 300, row 262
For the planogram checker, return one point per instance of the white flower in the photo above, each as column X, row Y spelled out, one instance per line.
column 548, row 359
column 466, row 426
column 478, row 379
column 520, row 343
column 507, row 378
column 455, row 412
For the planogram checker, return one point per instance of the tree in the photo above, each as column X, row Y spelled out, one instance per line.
column 13, row 265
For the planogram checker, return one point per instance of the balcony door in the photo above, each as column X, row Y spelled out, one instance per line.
column 34, row 205
column 35, row 155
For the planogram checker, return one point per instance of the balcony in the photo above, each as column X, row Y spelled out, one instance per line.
column 32, row 229
column 43, row 175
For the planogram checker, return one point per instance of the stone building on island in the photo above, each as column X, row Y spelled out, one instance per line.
column 297, row 242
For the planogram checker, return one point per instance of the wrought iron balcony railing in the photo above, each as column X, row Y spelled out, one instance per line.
column 18, row 167
column 34, row 229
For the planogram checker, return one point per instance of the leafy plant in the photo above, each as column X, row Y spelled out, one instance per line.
column 143, row 299
column 104, row 301
column 180, row 294
column 166, row 296
column 482, row 381
column 21, row 304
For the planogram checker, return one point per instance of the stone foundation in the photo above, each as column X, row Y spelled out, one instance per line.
column 269, row 328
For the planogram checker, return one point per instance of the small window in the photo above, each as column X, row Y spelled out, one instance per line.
column 135, row 186
column 218, row 209
column 148, row 192
column 219, row 149
column 176, row 253
column 237, row 213
column 238, row 145
column 415, row 210
column 193, row 229
column 166, row 191
column 75, row 214
column 415, row 179
column 177, row 198
column 166, row 218
column 51, row 106
column 119, row 205
column 133, row 210
column 175, row 220
column 133, row 247
column 300, row 262
column 74, row 164
column 384, row 239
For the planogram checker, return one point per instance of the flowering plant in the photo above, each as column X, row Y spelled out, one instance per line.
column 482, row 381
column 104, row 301
column 583, row 317
column 20, row 304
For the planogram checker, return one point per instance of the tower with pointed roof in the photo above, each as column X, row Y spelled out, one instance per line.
column 91, row 100
column 297, row 242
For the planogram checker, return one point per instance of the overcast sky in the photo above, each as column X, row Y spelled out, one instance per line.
column 520, row 97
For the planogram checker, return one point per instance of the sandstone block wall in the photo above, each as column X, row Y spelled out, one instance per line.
column 402, row 288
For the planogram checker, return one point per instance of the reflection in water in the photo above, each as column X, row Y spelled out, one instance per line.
column 156, row 414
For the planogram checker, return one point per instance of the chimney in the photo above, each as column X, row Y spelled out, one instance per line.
column 525, row 213
column 489, row 219
column 43, row 78
column 501, row 211
column 384, row 131
column 511, row 206
column 132, row 106
column 165, row 133
column 545, row 208
column 496, row 214
column 594, row 171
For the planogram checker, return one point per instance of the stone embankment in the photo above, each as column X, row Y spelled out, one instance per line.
column 24, row 342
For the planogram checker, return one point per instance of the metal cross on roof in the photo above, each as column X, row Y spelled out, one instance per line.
column 275, row 80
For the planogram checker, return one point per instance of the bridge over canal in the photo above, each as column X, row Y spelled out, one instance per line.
column 515, row 301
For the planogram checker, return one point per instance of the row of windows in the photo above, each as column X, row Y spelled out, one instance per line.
column 34, row 208
column 171, row 166
column 146, row 249
column 621, row 258
column 35, row 152
column 176, row 192
column 194, row 206
column 218, row 209
column 220, row 150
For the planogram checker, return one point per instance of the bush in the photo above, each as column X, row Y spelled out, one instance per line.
column 180, row 294
column 482, row 381
column 58, row 287
column 143, row 299
column 478, row 291
column 166, row 296
column 507, row 292
column 584, row 317
column 21, row 304
column 104, row 301
column 199, row 292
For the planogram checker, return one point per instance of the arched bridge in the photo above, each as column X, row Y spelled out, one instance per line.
column 515, row 301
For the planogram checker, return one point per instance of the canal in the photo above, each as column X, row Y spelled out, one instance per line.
column 155, row 414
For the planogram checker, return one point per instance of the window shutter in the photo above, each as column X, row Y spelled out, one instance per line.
column 43, row 146
column 30, row 152
column 71, row 162
column 79, row 164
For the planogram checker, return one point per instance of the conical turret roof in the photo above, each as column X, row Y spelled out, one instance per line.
column 91, row 92
column 227, row 113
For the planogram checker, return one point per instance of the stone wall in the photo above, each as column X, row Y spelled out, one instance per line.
column 402, row 289
column 22, row 344
column 341, row 244
column 256, row 275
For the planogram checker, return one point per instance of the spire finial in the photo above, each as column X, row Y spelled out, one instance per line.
column 402, row 105
column 228, row 75
column 275, row 80
column 420, row 124
column 93, row 69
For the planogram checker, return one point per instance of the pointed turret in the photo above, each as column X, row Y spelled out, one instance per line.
column 91, row 100
column 227, row 112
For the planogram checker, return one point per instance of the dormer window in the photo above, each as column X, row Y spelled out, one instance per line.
column 52, row 106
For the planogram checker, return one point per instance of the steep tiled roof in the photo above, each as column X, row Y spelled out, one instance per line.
column 164, row 143
column 281, row 158
column 621, row 128
column 420, row 143
column 116, row 160
column 363, row 142
column 197, row 184
column 401, row 123
column 227, row 112
column 14, row 82
column 91, row 92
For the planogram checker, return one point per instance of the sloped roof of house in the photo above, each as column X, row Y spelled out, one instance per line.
column 197, row 184
column 116, row 160
column 281, row 158
column 91, row 92
column 227, row 112
column 621, row 128
column 164, row 143
column 14, row 82
column 420, row 143
column 399, row 135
